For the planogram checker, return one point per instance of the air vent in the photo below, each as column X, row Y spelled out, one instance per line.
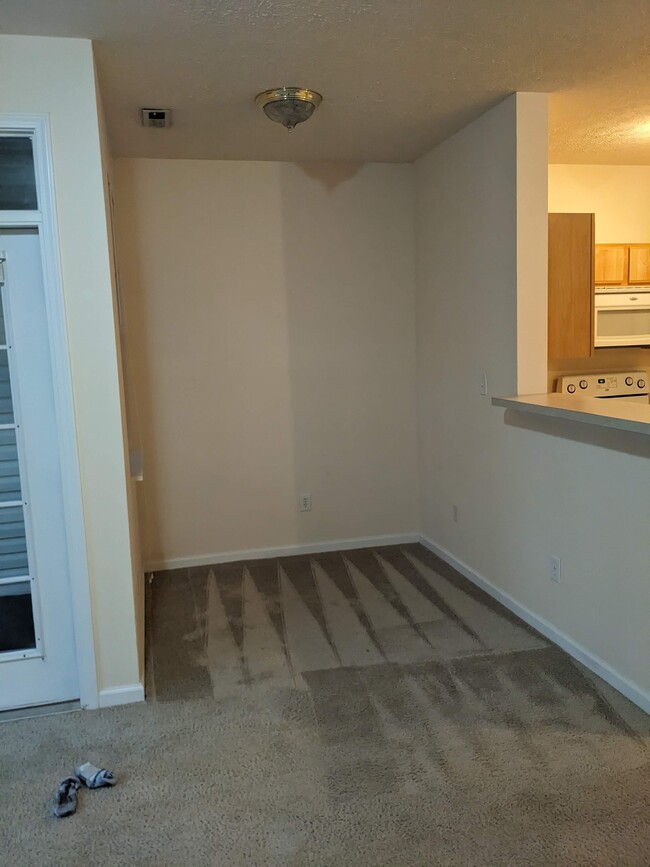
column 156, row 117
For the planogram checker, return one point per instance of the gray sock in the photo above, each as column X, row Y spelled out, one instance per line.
column 95, row 778
column 65, row 800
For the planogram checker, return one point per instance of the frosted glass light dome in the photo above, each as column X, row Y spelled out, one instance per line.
column 289, row 105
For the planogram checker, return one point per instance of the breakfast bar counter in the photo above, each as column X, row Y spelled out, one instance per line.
column 609, row 413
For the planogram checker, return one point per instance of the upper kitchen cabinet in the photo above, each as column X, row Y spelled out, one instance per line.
column 570, row 285
column 611, row 264
column 639, row 269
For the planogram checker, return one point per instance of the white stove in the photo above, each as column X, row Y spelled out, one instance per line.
column 629, row 385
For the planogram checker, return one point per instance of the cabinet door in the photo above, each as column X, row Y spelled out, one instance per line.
column 611, row 264
column 570, row 285
column 639, row 264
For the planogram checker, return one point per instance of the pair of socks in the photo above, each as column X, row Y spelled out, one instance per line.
column 85, row 775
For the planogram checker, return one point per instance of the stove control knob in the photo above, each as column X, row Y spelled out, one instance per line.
column 628, row 380
column 583, row 383
column 641, row 383
column 571, row 388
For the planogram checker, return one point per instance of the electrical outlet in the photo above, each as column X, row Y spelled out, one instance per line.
column 455, row 513
column 305, row 502
column 555, row 569
column 483, row 386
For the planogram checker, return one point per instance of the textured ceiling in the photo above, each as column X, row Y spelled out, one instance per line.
column 397, row 77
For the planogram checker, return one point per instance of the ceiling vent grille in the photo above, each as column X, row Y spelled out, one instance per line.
column 156, row 117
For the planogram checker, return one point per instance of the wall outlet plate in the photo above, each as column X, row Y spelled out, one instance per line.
column 555, row 569
column 304, row 502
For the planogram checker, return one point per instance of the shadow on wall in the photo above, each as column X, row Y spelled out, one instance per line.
column 129, row 245
column 615, row 440
column 348, row 253
column 330, row 175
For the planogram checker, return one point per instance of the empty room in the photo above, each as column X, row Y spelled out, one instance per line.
column 325, row 435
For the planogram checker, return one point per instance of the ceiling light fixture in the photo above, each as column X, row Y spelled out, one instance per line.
column 288, row 105
column 642, row 129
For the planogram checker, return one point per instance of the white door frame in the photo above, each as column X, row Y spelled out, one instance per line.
column 45, row 221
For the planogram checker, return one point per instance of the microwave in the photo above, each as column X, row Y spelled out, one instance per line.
column 622, row 316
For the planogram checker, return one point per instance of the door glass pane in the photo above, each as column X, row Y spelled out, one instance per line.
column 6, row 404
column 623, row 323
column 9, row 471
column 13, row 543
column 16, row 617
column 17, row 178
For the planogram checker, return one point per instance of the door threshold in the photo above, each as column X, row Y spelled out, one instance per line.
column 39, row 710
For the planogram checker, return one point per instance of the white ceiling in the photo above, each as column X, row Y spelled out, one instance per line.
column 397, row 76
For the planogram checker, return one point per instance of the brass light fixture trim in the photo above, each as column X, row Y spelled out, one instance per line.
column 288, row 105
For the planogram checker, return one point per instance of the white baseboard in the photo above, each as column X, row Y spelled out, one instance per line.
column 287, row 551
column 630, row 690
column 121, row 695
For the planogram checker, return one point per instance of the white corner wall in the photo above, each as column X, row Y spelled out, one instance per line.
column 524, row 491
column 128, row 422
column 271, row 342
column 56, row 77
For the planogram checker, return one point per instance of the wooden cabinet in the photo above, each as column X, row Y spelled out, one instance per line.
column 570, row 285
column 639, row 265
column 622, row 265
column 611, row 264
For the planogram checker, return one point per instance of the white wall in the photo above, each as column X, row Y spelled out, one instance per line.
column 525, row 490
column 56, row 77
column 271, row 336
column 531, row 238
column 619, row 196
column 128, row 419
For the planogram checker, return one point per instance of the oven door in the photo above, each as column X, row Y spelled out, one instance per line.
column 622, row 320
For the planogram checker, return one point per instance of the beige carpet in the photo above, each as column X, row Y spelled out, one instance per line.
column 365, row 708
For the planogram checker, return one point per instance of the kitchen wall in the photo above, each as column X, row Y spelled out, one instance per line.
column 271, row 338
column 619, row 196
column 55, row 77
column 525, row 489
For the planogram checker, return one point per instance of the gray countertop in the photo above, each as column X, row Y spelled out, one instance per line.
column 616, row 414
